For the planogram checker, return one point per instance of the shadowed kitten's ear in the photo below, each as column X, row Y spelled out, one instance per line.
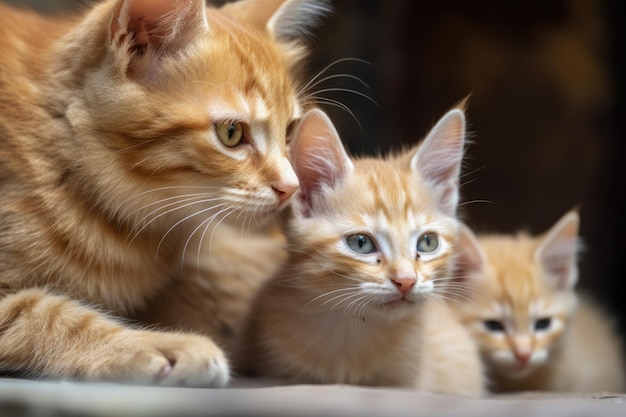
column 469, row 259
column 285, row 20
column 143, row 30
column 318, row 158
column 438, row 159
column 558, row 251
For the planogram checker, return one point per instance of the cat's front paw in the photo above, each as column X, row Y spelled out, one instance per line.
column 172, row 359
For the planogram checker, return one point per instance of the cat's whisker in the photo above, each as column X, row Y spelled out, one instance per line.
column 347, row 90
column 229, row 211
column 142, row 228
column 465, row 203
column 334, row 103
column 179, row 199
column 321, row 72
column 330, row 77
column 184, row 219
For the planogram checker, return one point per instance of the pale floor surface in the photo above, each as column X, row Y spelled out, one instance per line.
column 251, row 398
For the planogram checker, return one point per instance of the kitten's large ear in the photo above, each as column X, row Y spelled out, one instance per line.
column 143, row 30
column 285, row 20
column 318, row 157
column 558, row 250
column 470, row 258
column 438, row 159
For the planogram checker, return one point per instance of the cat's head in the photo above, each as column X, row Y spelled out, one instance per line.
column 373, row 235
column 195, row 104
column 524, row 293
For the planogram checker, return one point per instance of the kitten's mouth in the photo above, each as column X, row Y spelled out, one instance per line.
column 398, row 303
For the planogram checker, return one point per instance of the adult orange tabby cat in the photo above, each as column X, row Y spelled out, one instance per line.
column 127, row 134
column 370, row 240
column 532, row 331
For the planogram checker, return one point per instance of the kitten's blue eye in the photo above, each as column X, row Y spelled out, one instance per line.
column 230, row 133
column 361, row 243
column 543, row 324
column 493, row 325
column 428, row 242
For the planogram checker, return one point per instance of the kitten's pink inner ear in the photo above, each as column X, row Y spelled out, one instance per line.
column 317, row 153
column 558, row 252
column 438, row 158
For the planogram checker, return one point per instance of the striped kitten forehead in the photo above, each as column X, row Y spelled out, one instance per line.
column 390, row 201
column 515, row 280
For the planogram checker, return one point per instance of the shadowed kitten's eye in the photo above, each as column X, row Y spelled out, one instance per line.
column 428, row 242
column 361, row 243
column 493, row 325
column 543, row 324
column 291, row 127
column 230, row 133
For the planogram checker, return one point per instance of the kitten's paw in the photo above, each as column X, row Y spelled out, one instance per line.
column 171, row 359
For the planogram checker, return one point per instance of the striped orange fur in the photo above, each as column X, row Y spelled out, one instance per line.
column 533, row 331
column 360, row 299
column 128, row 133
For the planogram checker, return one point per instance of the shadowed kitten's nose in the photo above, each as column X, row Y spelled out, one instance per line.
column 522, row 356
column 285, row 190
column 404, row 285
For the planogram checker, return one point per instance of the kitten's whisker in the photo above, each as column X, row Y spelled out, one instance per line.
column 328, row 293
column 346, row 297
column 339, row 296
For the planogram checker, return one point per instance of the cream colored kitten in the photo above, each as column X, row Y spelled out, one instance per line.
column 525, row 319
column 360, row 297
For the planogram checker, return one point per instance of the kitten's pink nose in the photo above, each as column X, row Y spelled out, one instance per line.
column 285, row 190
column 404, row 285
column 522, row 356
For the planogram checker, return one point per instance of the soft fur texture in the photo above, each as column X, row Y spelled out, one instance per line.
column 361, row 297
column 127, row 135
column 532, row 332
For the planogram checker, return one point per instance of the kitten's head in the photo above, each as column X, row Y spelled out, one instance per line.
column 373, row 235
column 194, row 104
column 524, row 293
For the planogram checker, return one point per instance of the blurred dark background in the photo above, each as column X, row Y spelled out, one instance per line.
column 547, row 98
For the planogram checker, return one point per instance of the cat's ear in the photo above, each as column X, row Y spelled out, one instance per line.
column 318, row 157
column 470, row 259
column 285, row 20
column 141, row 31
column 558, row 250
column 438, row 159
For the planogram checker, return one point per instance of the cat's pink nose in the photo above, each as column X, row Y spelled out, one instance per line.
column 285, row 190
column 404, row 285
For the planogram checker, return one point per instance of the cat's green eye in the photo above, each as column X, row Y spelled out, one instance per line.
column 543, row 324
column 361, row 243
column 230, row 133
column 494, row 325
column 428, row 242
